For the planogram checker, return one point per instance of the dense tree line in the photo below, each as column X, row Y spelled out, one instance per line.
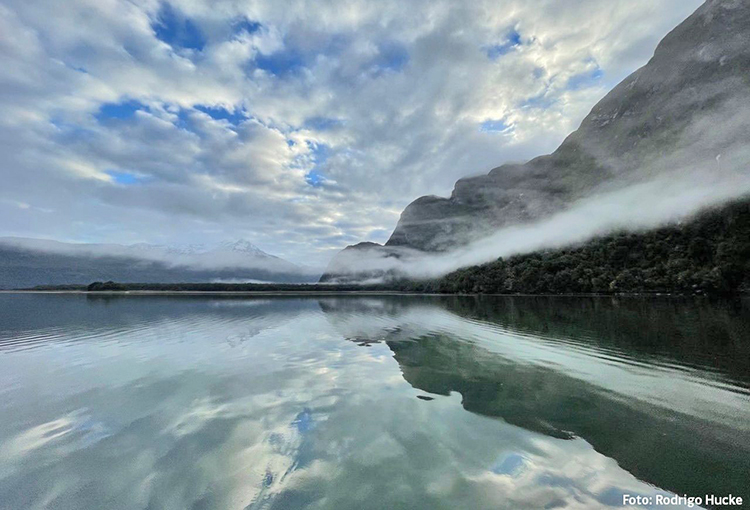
column 709, row 254
column 111, row 286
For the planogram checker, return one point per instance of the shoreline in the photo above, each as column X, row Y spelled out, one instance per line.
column 292, row 293
column 222, row 292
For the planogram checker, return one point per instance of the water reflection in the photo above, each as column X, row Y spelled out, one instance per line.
column 676, row 415
column 368, row 402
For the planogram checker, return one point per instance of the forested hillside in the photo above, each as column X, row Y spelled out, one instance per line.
column 682, row 119
column 709, row 254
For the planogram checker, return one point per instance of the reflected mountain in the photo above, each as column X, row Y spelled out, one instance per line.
column 90, row 315
column 361, row 402
column 659, row 386
column 712, row 335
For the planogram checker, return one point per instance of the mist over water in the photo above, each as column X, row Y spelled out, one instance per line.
column 204, row 402
column 639, row 207
column 636, row 208
column 683, row 171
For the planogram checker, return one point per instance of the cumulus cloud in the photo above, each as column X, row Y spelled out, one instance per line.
column 303, row 127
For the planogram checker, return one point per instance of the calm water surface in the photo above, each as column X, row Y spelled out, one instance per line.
column 179, row 402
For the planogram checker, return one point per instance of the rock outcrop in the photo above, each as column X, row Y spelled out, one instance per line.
column 699, row 73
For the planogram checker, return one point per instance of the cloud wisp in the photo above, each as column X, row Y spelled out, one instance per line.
column 707, row 168
column 299, row 126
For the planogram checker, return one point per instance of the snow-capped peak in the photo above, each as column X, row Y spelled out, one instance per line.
column 242, row 246
column 187, row 249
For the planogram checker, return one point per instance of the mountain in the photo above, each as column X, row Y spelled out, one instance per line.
column 27, row 263
column 688, row 108
column 710, row 254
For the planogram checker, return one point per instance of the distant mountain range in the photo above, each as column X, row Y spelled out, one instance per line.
column 27, row 263
column 685, row 113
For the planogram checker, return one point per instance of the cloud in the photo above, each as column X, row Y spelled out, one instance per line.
column 707, row 167
column 189, row 120
column 265, row 436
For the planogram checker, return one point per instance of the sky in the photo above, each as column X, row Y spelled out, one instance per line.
column 300, row 126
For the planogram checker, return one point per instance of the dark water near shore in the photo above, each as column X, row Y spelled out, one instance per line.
column 177, row 402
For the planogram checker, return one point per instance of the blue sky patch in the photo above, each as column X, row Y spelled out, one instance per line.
column 512, row 41
column 542, row 101
column 280, row 63
column 323, row 123
column 246, row 25
column 125, row 178
column 122, row 110
column 494, row 126
column 379, row 235
column 315, row 179
column 320, row 153
column 77, row 68
column 291, row 59
column 220, row 113
column 584, row 80
column 176, row 30
column 334, row 44
column 391, row 57
column 183, row 119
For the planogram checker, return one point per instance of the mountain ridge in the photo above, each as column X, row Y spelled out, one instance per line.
column 692, row 68
column 28, row 262
column 681, row 110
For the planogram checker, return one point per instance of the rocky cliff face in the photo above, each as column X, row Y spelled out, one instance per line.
column 701, row 68
column 679, row 110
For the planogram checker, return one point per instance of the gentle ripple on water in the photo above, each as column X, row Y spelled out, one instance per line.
column 178, row 402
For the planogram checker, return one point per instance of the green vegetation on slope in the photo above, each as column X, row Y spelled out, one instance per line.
column 707, row 255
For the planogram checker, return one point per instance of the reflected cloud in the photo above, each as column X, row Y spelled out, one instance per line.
column 302, row 417
column 73, row 431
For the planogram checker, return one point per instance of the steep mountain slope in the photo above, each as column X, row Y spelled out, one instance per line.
column 686, row 110
column 30, row 262
column 699, row 73
column 708, row 255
